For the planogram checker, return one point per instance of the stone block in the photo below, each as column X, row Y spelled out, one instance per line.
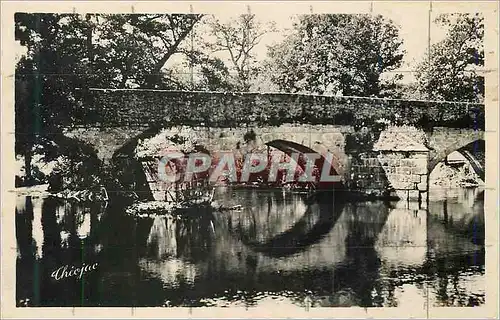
column 394, row 162
column 397, row 155
column 413, row 195
column 403, row 185
column 422, row 186
column 408, row 163
column 420, row 169
column 406, row 178
column 402, row 194
column 424, row 194
column 420, row 161
column 419, row 155
column 415, row 178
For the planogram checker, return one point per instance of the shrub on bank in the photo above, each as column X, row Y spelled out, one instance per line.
column 64, row 165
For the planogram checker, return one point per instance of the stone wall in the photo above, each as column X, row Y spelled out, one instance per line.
column 407, row 173
column 382, row 163
column 348, row 127
column 367, row 175
column 443, row 141
column 395, row 174
column 129, row 107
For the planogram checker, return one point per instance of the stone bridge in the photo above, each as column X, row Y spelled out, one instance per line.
column 382, row 147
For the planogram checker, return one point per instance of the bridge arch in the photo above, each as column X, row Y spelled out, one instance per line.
column 141, row 175
column 214, row 140
column 443, row 141
column 325, row 160
column 472, row 151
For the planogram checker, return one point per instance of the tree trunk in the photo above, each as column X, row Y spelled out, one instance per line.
column 27, row 167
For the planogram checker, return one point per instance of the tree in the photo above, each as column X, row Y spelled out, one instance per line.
column 109, row 51
column 135, row 48
column 212, row 73
column 46, row 76
column 338, row 54
column 70, row 51
column 450, row 70
column 238, row 38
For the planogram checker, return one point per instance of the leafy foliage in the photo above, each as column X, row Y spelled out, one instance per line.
column 450, row 71
column 70, row 51
column 237, row 38
column 338, row 53
column 213, row 74
column 137, row 56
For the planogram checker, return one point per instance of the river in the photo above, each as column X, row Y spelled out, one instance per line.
column 280, row 248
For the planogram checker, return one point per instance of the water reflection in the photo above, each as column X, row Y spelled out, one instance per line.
column 188, row 238
column 308, row 225
column 52, row 233
column 403, row 239
column 279, row 247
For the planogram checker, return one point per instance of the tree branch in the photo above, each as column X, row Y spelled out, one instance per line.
column 171, row 50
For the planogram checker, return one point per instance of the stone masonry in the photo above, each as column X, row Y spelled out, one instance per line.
column 377, row 147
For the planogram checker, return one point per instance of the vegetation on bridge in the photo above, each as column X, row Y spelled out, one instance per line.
column 147, row 107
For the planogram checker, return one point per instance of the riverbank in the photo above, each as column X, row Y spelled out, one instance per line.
column 63, row 165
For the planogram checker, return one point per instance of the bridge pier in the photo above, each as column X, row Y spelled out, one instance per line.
column 404, row 157
column 407, row 173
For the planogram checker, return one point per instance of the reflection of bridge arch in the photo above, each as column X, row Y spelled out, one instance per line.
column 302, row 234
column 473, row 152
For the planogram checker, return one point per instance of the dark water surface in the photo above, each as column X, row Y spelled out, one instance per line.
column 281, row 248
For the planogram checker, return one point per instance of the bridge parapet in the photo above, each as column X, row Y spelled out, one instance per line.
column 135, row 107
